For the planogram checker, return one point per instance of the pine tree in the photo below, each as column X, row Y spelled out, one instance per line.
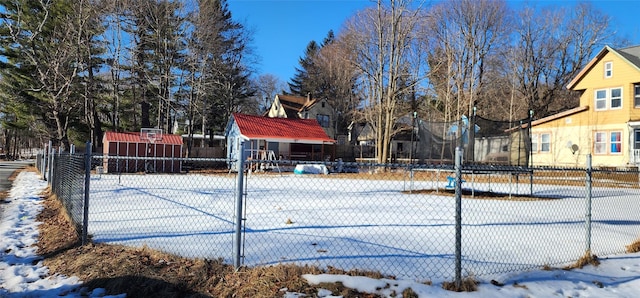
column 41, row 64
column 302, row 83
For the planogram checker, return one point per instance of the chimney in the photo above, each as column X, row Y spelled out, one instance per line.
column 308, row 96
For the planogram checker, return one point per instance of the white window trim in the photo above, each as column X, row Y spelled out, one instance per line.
column 536, row 138
column 596, row 99
column 611, row 98
column 636, row 96
column 542, row 143
column 608, row 70
column 608, row 99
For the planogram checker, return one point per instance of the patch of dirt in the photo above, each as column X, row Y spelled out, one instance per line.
column 478, row 195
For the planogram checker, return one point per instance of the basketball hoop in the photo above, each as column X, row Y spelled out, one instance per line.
column 151, row 135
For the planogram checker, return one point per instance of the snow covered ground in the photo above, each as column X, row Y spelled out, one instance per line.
column 23, row 275
column 21, row 271
column 359, row 224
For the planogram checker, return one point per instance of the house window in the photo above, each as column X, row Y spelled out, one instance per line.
column 600, row 143
column 601, row 99
column 636, row 95
column 636, row 140
column 608, row 70
column 608, row 98
column 541, row 143
column 545, row 142
column 616, row 98
column 608, row 142
column 323, row 120
column 616, row 142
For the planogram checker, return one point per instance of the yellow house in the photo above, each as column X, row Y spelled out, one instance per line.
column 606, row 124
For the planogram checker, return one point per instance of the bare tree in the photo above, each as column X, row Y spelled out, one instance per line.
column 381, row 39
column 338, row 77
column 464, row 34
column 267, row 86
column 551, row 46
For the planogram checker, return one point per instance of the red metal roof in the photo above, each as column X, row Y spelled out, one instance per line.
column 134, row 137
column 283, row 129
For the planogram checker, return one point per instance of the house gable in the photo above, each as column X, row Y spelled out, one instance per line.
column 607, row 120
column 296, row 107
column 608, row 84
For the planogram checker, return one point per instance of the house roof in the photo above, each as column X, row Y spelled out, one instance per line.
column 549, row 118
column 281, row 129
column 631, row 55
column 295, row 104
column 134, row 137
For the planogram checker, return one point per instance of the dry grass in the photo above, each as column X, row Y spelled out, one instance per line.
column 633, row 247
column 587, row 259
column 467, row 284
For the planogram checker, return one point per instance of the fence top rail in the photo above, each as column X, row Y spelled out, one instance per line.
column 186, row 159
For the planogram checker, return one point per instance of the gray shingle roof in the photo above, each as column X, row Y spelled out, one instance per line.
column 632, row 54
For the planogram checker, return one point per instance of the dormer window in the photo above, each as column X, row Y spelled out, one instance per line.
column 608, row 70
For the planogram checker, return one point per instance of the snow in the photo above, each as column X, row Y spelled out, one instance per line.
column 21, row 271
column 23, row 275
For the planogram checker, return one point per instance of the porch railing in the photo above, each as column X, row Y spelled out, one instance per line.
column 635, row 157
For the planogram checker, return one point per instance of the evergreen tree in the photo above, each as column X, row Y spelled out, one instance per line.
column 40, row 64
column 220, row 73
column 302, row 83
column 311, row 77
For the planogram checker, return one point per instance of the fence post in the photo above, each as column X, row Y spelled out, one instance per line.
column 458, row 195
column 51, row 165
column 87, row 182
column 588, row 213
column 237, row 243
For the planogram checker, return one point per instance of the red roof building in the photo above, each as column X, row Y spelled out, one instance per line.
column 281, row 129
column 140, row 154
column 292, row 139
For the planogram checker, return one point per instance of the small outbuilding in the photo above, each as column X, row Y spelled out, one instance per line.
column 277, row 138
column 147, row 151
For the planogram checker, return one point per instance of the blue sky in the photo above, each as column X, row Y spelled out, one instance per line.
column 283, row 28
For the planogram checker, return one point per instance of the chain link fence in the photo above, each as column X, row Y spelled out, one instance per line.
column 419, row 221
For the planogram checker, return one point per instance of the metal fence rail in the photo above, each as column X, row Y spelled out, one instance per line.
column 398, row 219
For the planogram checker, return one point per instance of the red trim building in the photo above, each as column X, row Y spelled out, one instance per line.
column 146, row 156
column 290, row 139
